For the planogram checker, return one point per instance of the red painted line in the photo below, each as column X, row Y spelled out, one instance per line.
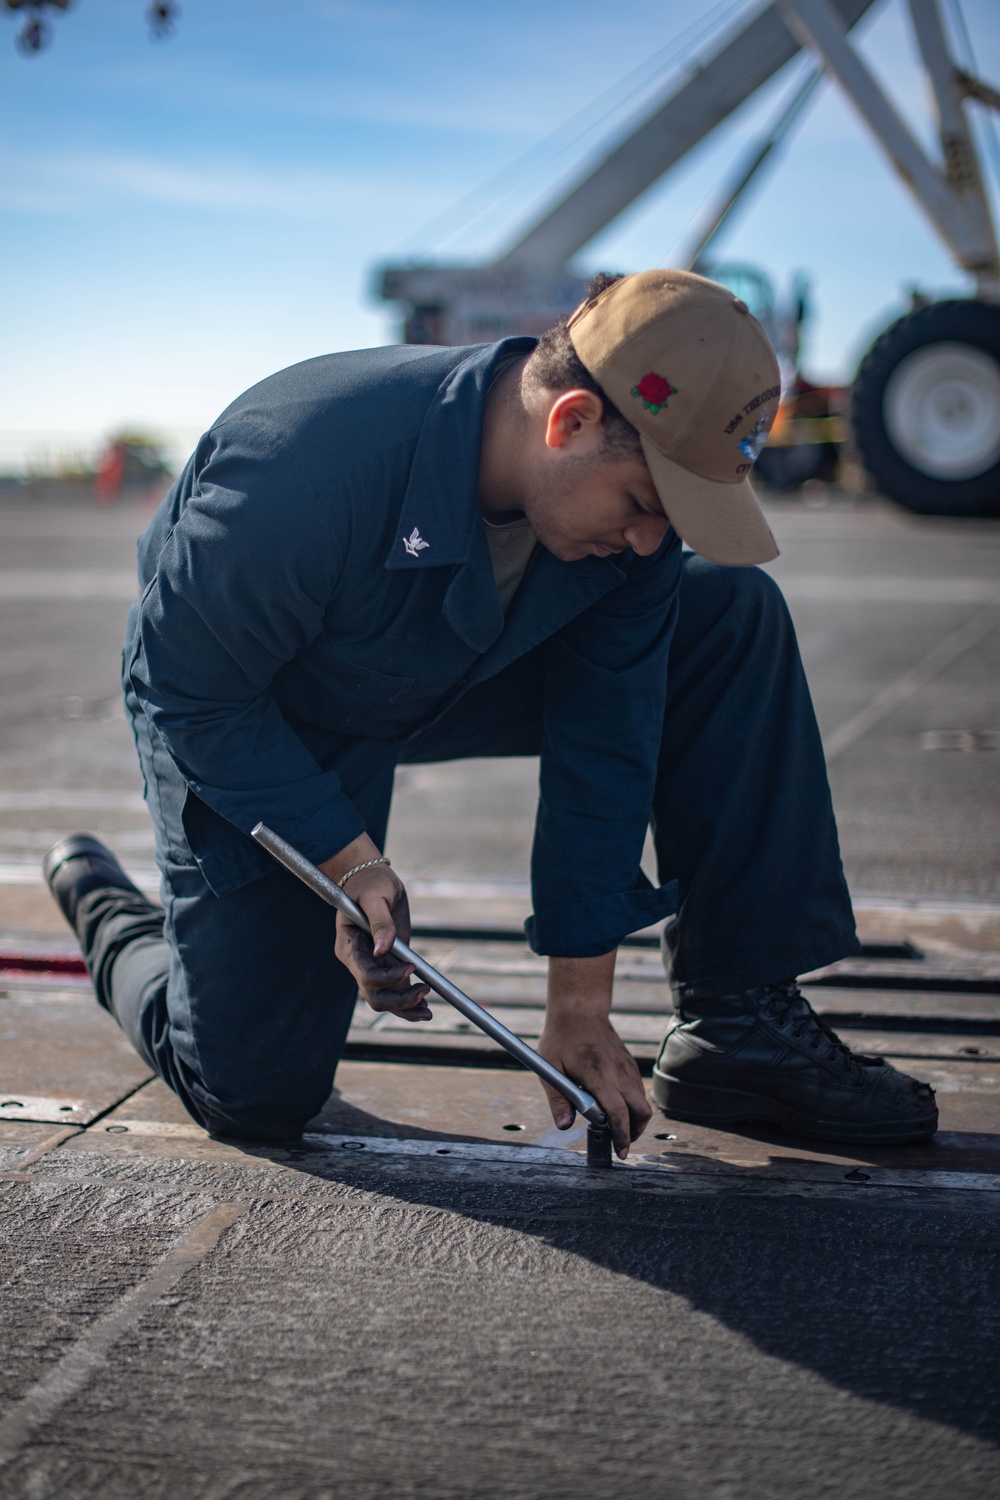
column 41, row 963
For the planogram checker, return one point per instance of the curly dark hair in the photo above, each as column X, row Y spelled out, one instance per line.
column 555, row 366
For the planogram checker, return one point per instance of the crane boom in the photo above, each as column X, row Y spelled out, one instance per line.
column 528, row 287
column 720, row 85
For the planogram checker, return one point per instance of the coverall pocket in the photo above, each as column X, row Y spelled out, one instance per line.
column 356, row 692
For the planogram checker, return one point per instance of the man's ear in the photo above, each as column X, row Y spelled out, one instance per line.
column 575, row 419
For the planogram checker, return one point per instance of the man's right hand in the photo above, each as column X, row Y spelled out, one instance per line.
column 383, row 980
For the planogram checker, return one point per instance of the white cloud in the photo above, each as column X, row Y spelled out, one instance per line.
column 67, row 182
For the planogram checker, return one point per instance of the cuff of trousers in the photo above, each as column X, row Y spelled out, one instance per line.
column 756, row 970
column 594, row 927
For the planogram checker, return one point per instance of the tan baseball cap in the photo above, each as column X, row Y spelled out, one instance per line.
column 693, row 371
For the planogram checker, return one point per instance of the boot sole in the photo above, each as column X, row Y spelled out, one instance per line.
column 701, row 1105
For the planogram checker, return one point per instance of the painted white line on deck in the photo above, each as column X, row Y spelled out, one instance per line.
column 167, row 1129
column 910, row 683
column 725, row 1175
column 471, row 889
column 71, row 799
column 42, row 1109
column 80, row 526
column 945, row 906
column 71, row 1373
column 18, row 872
column 68, row 583
column 886, row 588
column 562, row 1168
column 15, row 842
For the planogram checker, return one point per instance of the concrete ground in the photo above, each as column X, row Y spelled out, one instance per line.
column 429, row 1295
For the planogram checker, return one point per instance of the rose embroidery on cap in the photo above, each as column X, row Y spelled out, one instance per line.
column 653, row 391
column 753, row 441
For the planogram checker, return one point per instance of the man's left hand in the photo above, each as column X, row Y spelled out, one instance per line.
column 579, row 1039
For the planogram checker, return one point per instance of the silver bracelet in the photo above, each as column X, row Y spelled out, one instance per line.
column 365, row 865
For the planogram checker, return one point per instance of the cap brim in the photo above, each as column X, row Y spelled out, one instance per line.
column 723, row 522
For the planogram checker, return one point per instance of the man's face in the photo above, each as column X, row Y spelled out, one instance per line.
column 590, row 506
column 580, row 498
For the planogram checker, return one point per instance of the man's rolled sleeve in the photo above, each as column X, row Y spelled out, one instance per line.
column 605, row 696
column 241, row 586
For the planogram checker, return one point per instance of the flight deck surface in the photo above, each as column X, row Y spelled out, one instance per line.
column 429, row 1294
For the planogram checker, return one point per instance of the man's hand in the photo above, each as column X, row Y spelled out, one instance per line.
column 579, row 1039
column 382, row 979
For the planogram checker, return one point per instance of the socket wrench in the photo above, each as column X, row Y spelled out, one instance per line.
column 598, row 1129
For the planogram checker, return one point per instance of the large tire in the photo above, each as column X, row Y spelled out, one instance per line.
column 925, row 410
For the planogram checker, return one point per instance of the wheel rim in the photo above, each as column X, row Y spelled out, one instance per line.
column 942, row 410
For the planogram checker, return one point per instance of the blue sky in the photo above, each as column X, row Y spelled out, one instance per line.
column 180, row 219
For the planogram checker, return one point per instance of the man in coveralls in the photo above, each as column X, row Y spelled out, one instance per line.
column 420, row 554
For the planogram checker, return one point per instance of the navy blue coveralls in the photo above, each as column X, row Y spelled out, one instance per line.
column 293, row 643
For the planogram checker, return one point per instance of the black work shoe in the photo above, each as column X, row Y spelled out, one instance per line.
column 80, row 864
column 766, row 1055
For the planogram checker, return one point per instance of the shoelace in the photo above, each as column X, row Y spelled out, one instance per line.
column 786, row 1004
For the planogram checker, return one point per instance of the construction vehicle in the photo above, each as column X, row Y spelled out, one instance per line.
column 925, row 404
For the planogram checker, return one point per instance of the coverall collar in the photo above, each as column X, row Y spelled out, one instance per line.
column 440, row 523
column 441, row 504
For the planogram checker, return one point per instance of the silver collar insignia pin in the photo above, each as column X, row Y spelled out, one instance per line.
column 414, row 543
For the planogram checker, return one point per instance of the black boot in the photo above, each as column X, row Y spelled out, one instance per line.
column 765, row 1055
column 78, row 865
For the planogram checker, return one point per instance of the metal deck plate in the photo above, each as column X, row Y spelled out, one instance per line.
column 62, row 1058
